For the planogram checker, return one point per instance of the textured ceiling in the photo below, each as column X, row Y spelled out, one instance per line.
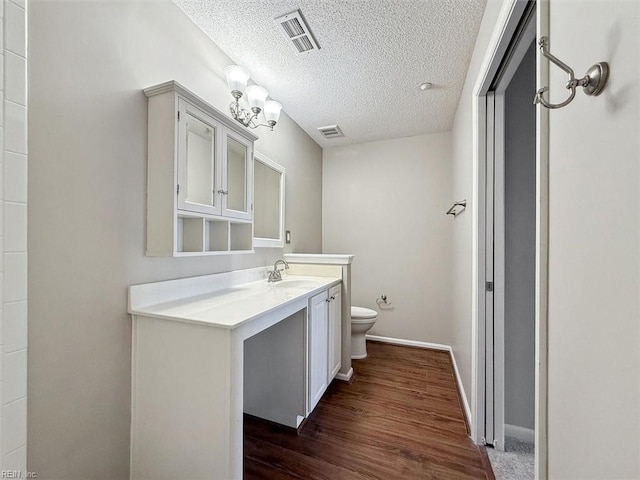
column 373, row 55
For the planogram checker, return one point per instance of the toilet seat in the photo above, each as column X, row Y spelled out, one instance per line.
column 362, row 321
column 358, row 314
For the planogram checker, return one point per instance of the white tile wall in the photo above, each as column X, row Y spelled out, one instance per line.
column 13, row 235
column 21, row 3
column 14, row 328
column 14, row 373
column 15, row 125
column 15, row 26
column 15, row 185
column 16, row 460
column 15, row 88
column 14, row 426
column 15, row 276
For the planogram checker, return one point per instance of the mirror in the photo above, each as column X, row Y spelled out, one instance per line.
column 268, row 199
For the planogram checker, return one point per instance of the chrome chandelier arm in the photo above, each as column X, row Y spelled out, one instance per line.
column 256, row 125
column 242, row 115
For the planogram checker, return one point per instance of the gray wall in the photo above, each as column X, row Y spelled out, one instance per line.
column 594, row 242
column 89, row 62
column 463, row 175
column 594, row 247
column 385, row 202
column 520, row 236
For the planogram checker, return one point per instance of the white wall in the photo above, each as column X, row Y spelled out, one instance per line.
column 520, row 245
column 462, row 145
column 89, row 62
column 13, row 237
column 594, row 247
column 594, row 243
column 385, row 202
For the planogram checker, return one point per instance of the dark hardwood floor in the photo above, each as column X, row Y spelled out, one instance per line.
column 400, row 418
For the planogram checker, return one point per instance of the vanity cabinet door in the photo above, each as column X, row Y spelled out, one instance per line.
column 318, row 337
column 199, row 168
column 237, row 176
column 335, row 331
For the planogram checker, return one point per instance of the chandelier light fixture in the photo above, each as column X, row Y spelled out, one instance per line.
column 237, row 78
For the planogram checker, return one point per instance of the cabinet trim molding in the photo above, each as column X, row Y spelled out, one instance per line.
column 227, row 121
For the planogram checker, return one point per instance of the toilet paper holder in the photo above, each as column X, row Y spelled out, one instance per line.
column 383, row 302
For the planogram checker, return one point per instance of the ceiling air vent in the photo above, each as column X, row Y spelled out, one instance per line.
column 331, row 131
column 296, row 30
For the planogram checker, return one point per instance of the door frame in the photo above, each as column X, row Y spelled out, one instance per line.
column 494, row 269
column 506, row 26
column 495, row 261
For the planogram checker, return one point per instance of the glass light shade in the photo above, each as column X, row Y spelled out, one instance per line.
column 272, row 111
column 237, row 77
column 256, row 96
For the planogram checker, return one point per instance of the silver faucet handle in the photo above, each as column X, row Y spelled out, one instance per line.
column 274, row 276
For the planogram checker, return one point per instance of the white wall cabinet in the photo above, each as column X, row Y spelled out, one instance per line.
column 325, row 333
column 199, row 177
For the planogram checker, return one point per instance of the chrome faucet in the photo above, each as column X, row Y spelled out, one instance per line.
column 275, row 275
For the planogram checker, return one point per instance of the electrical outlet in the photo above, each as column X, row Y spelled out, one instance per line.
column 287, row 237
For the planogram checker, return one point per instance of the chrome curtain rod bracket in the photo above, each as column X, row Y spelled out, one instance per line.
column 592, row 83
column 454, row 212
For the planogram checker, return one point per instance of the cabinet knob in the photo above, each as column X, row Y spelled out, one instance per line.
column 223, row 192
column 333, row 298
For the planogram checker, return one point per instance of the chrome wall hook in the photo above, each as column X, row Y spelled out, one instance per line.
column 592, row 83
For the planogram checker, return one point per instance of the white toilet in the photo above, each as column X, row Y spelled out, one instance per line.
column 362, row 319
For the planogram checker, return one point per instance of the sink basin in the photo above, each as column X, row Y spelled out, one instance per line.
column 296, row 283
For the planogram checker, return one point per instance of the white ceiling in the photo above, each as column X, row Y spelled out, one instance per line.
column 373, row 55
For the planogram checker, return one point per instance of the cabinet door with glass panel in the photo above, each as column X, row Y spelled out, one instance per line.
column 199, row 161
column 237, row 176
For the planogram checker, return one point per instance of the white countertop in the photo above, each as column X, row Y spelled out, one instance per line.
column 231, row 307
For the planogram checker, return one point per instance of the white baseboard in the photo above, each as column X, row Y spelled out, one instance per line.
column 465, row 403
column 345, row 377
column 433, row 346
column 409, row 343
column 519, row 433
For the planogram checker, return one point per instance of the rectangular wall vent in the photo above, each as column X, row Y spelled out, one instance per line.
column 331, row 131
column 296, row 30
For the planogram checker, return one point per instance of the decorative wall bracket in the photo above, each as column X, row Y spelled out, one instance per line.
column 592, row 83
